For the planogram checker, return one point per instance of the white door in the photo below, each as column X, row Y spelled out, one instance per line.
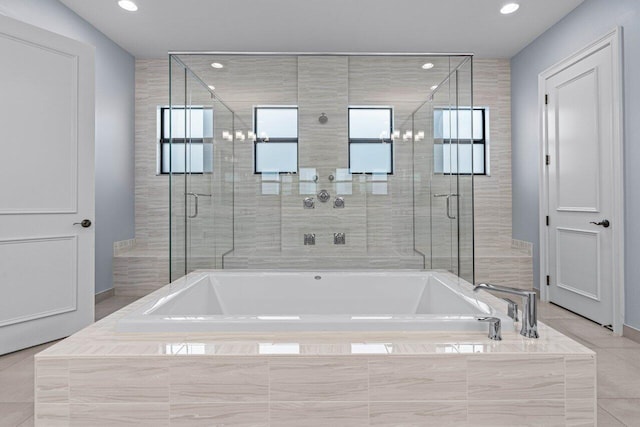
column 46, row 185
column 580, row 136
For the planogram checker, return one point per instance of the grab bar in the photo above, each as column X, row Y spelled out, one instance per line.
column 448, row 196
column 196, row 196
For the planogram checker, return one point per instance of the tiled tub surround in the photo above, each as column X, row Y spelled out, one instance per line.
column 102, row 377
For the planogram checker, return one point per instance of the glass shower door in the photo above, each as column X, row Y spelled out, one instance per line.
column 201, row 189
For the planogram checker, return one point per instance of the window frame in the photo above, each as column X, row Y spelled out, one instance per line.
column 275, row 140
column 170, row 141
column 370, row 140
column 472, row 142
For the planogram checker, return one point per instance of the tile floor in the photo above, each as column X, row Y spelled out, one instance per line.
column 618, row 369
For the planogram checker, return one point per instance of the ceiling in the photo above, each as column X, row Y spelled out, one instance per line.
column 435, row 26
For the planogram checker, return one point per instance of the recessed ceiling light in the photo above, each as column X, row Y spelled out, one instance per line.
column 128, row 5
column 434, row 87
column 212, row 87
column 427, row 66
column 509, row 8
column 217, row 65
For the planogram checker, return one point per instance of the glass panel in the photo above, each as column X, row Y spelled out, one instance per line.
column 223, row 183
column 177, row 182
column 444, row 189
column 206, row 117
column 276, row 157
column 369, row 123
column 276, row 123
column 423, row 150
column 370, row 157
column 465, row 182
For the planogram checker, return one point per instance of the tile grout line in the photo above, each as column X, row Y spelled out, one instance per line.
column 612, row 416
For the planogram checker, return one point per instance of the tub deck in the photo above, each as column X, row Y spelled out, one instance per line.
column 352, row 378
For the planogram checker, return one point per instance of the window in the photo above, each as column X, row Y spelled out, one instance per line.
column 276, row 144
column 370, row 143
column 191, row 132
column 460, row 136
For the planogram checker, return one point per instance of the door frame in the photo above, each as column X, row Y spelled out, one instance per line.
column 614, row 39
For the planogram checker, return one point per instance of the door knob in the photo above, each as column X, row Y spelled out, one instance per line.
column 86, row 223
column 605, row 223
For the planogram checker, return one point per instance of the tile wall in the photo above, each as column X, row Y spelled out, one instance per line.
column 269, row 227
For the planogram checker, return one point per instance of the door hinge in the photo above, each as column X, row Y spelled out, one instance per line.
column 547, row 220
column 548, row 280
column 547, row 160
column 546, row 99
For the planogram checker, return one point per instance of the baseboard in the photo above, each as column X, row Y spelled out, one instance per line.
column 632, row 333
column 101, row 296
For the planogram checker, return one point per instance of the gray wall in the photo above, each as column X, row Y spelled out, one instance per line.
column 584, row 25
column 115, row 74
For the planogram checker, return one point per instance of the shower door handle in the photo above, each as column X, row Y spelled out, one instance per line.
column 448, row 196
column 196, row 197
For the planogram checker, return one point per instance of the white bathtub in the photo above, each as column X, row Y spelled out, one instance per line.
column 273, row 301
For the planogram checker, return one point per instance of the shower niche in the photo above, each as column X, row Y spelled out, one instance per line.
column 267, row 150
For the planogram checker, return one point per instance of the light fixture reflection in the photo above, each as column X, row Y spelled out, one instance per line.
column 217, row 65
column 427, row 66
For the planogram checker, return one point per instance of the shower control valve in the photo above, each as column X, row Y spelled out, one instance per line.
column 338, row 203
column 308, row 203
column 310, row 239
column 324, row 196
column 339, row 238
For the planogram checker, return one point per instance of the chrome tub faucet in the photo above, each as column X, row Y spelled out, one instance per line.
column 495, row 328
column 529, row 310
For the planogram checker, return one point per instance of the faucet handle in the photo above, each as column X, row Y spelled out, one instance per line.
column 495, row 328
column 512, row 310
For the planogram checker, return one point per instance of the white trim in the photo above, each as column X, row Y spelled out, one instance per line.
column 613, row 38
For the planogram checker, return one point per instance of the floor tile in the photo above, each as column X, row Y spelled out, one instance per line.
column 13, row 414
column 630, row 355
column 617, row 378
column 17, row 382
column 605, row 419
column 552, row 311
column 624, row 410
column 29, row 422
column 10, row 359
column 111, row 305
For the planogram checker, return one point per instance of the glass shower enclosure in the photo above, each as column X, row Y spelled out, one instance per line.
column 248, row 186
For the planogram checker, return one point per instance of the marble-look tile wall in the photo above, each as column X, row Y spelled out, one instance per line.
column 375, row 224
